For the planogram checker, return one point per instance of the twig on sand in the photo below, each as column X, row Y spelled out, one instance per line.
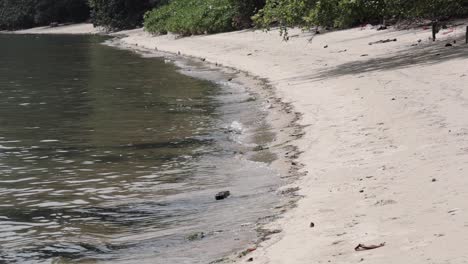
column 382, row 41
column 362, row 247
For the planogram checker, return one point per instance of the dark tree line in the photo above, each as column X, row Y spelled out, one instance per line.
column 111, row 14
column 16, row 14
column 210, row 16
column 121, row 14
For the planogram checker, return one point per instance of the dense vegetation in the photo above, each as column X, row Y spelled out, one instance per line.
column 120, row 14
column 188, row 17
column 210, row 16
column 202, row 16
column 346, row 13
column 15, row 14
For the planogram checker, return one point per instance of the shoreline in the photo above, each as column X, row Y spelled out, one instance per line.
column 71, row 29
column 280, row 116
column 385, row 139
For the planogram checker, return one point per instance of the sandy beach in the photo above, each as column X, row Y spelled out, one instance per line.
column 76, row 29
column 385, row 144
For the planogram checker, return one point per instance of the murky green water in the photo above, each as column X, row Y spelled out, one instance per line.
column 106, row 156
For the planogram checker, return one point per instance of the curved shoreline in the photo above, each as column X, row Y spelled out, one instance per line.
column 385, row 143
column 281, row 118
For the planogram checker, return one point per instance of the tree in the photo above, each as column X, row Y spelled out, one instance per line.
column 47, row 11
column 118, row 14
column 16, row 14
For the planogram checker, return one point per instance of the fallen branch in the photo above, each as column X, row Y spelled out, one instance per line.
column 362, row 247
column 382, row 41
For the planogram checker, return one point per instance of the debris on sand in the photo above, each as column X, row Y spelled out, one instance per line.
column 362, row 247
column 382, row 41
column 196, row 236
column 247, row 251
column 382, row 27
column 222, row 195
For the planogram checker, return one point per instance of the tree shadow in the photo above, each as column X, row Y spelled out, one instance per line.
column 418, row 55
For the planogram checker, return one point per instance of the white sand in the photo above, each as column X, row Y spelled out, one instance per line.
column 77, row 29
column 358, row 138
column 386, row 124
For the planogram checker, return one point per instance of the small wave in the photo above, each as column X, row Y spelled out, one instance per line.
column 49, row 140
column 85, row 181
column 19, row 180
column 236, row 127
column 50, row 204
column 6, row 148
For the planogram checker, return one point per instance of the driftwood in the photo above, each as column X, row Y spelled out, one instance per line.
column 466, row 41
column 435, row 30
column 362, row 247
column 382, row 41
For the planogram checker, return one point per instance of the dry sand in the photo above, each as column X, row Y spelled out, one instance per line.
column 386, row 139
column 74, row 29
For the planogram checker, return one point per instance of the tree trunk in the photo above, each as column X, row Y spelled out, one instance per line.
column 466, row 41
column 435, row 29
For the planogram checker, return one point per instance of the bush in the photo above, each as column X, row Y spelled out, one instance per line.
column 346, row 13
column 283, row 13
column 187, row 17
column 439, row 9
column 48, row 11
column 324, row 13
column 118, row 14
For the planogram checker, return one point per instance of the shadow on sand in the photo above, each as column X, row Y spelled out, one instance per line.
column 419, row 55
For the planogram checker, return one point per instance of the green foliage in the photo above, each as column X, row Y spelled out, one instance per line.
column 345, row 13
column 15, row 14
column 119, row 14
column 353, row 12
column 324, row 13
column 437, row 9
column 283, row 13
column 188, row 17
